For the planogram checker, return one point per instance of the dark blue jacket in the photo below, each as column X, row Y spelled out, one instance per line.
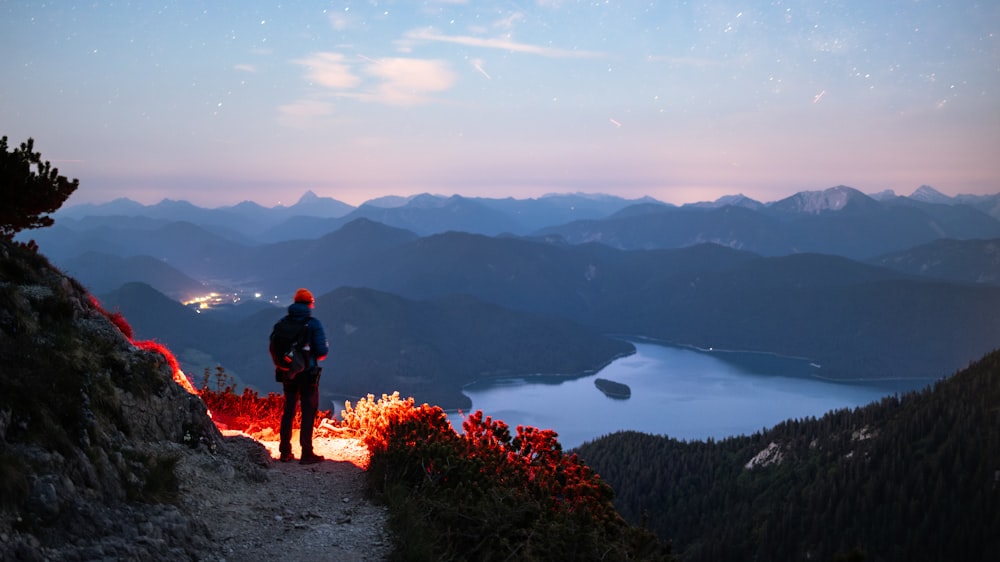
column 318, row 346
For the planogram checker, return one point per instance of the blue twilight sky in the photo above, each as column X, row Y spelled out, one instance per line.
column 219, row 102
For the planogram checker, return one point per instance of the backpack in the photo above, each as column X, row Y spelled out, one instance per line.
column 289, row 337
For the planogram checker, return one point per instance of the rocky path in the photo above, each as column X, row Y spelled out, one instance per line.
column 288, row 511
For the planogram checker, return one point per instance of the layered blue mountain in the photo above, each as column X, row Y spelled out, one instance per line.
column 732, row 274
column 184, row 245
column 106, row 272
column 855, row 320
column 313, row 216
column 840, row 220
column 247, row 217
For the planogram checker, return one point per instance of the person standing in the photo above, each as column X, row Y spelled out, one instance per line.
column 304, row 388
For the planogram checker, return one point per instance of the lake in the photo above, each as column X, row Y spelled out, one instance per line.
column 679, row 392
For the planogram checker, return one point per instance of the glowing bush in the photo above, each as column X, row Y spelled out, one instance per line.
column 485, row 494
column 247, row 412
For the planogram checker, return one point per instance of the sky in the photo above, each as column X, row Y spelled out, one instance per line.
column 227, row 101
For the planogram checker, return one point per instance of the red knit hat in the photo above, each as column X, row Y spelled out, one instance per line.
column 303, row 295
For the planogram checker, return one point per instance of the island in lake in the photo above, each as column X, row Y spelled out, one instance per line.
column 613, row 389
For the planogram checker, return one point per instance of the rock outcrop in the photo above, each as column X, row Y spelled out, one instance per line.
column 93, row 428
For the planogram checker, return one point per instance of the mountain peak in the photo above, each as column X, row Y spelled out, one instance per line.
column 307, row 198
column 167, row 203
column 884, row 195
column 119, row 206
column 928, row 194
column 815, row 202
column 738, row 200
column 313, row 205
column 429, row 201
column 387, row 201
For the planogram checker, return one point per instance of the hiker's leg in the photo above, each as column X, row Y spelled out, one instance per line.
column 310, row 403
column 287, row 417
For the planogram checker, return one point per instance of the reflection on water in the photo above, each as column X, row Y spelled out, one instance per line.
column 679, row 392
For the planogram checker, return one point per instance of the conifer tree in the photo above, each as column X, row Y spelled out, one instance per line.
column 29, row 189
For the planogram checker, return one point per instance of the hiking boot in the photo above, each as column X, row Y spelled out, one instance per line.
column 312, row 458
column 286, row 457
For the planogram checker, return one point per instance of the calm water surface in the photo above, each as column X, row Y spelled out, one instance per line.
column 679, row 392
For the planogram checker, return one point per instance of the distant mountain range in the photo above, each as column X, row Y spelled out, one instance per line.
column 865, row 286
column 313, row 216
column 840, row 220
column 211, row 245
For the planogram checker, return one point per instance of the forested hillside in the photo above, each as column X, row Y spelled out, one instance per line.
column 915, row 477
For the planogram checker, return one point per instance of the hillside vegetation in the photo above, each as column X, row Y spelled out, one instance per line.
column 915, row 477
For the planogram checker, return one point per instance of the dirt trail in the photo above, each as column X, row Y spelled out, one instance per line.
column 294, row 511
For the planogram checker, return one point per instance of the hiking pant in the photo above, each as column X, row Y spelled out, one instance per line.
column 306, row 392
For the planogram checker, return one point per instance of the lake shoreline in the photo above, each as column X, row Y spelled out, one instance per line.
column 907, row 383
column 676, row 390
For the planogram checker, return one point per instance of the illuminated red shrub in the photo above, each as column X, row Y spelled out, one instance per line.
column 116, row 318
column 486, row 494
column 157, row 347
column 249, row 412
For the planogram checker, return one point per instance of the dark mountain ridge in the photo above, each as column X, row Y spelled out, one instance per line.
column 975, row 261
column 852, row 318
column 105, row 273
column 651, row 226
column 184, row 245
